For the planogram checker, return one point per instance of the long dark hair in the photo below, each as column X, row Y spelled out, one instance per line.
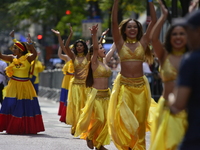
column 84, row 45
column 167, row 43
column 89, row 78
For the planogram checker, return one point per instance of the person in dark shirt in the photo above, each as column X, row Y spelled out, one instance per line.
column 187, row 92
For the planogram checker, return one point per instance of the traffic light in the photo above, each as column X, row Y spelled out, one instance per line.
column 39, row 37
column 68, row 12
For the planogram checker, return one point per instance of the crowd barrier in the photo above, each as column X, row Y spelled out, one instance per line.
column 51, row 80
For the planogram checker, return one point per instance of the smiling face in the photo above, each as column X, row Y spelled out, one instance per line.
column 178, row 38
column 131, row 30
column 101, row 51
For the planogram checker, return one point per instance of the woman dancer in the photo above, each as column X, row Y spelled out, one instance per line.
column 68, row 71
column 20, row 112
column 168, row 130
column 130, row 98
column 93, row 120
column 77, row 92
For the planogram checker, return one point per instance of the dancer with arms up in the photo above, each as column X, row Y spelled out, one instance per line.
column 78, row 91
column 168, row 130
column 93, row 120
column 130, row 98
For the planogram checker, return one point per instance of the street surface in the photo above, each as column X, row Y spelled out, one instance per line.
column 56, row 136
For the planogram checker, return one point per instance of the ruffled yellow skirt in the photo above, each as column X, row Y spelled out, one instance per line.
column 93, row 120
column 77, row 97
column 167, row 129
column 127, row 112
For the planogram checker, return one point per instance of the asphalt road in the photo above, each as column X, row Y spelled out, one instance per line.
column 55, row 137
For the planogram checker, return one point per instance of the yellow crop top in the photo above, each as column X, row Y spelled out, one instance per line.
column 126, row 54
column 167, row 71
column 80, row 65
column 102, row 71
column 81, row 68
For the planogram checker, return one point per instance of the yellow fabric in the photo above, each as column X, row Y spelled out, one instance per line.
column 81, row 68
column 19, row 45
column 76, row 101
column 102, row 71
column 68, row 71
column 68, row 68
column 37, row 69
column 93, row 120
column 66, row 81
column 167, row 129
column 167, row 71
column 127, row 112
column 18, row 67
column 126, row 54
column 80, row 65
column 151, row 114
column 20, row 89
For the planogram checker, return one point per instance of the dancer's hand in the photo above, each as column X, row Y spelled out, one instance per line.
column 163, row 9
column 29, row 41
column 94, row 29
column 12, row 33
column 55, row 31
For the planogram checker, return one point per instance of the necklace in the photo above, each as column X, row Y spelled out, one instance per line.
column 100, row 59
column 178, row 52
column 80, row 54
column 128, row 40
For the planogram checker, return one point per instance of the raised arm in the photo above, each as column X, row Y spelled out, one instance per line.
column 157, row 45
column 95, row 43
column 146, row 38
column 193, row 5
column 61, row 56
column 67, row 51
column 111, row 52
column 117, row 38
column 32, row 49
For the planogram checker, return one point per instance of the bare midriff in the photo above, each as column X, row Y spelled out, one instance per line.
column 132, row 69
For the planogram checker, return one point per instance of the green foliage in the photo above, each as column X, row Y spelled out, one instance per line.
column 51, row 13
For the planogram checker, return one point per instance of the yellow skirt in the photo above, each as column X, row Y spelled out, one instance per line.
column 20, row 90
column 167, row 129
column 93, row 120
column 127, row 112
column 151, row 114
column 77, row 97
